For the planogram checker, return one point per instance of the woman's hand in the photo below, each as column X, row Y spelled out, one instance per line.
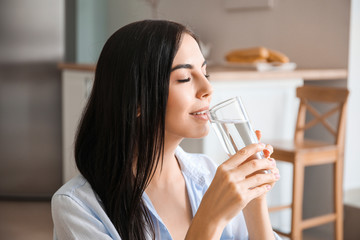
column 235, row 184
column 256, row 212
column 267, row 152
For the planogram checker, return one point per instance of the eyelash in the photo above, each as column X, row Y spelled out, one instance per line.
column 188, row 79
column 184, row 80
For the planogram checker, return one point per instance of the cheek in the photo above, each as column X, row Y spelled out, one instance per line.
column 177, row 110
column 179, row 101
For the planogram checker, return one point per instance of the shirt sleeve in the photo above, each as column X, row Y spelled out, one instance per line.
column 73, row 220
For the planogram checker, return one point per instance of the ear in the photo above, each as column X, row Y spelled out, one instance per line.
column 138, row 112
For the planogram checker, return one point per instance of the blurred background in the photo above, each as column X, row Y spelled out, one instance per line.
column 37, row 35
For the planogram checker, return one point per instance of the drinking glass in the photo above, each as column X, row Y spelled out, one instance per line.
column 232, row 126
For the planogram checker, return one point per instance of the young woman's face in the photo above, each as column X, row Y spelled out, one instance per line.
column 189, row 93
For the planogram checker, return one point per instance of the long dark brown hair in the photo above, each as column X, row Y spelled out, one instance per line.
column 120, row 139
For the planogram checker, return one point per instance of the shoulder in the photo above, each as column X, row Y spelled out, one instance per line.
column 74, row 187
column 77, row 212
column 78, row 191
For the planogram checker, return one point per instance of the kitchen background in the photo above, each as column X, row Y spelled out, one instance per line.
column 31, row 44
column 36, row 35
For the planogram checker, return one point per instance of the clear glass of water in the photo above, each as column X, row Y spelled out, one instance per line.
column 232, row 126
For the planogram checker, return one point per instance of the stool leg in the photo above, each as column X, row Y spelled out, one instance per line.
column 297, row 201
column 338, row 197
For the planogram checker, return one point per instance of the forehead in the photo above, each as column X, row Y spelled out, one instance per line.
column 188, row 52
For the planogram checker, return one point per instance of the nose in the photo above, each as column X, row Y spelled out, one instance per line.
column 205, row 89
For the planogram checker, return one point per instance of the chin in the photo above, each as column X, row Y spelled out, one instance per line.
column 199, row 134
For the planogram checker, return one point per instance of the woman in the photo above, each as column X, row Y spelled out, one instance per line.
column 151, row 91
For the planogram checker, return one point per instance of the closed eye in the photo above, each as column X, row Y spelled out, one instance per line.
column 184, row 80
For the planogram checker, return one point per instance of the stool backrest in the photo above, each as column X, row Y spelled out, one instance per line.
column 331, row 95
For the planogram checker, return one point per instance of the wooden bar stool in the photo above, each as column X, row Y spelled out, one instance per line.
column 304, row 153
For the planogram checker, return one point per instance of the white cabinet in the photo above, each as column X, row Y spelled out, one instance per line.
column 76, row 87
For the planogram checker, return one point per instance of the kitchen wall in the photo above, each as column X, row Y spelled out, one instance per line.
column 31, row 30
column 352, row 159
column 91, row 25
column 314, row 34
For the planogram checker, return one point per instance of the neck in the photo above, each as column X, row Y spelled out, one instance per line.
column 170, row 170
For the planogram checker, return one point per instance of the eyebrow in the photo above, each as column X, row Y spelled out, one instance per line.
column 188, row 66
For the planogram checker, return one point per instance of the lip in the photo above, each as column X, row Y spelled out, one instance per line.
column 202, row 114
column 201, row 110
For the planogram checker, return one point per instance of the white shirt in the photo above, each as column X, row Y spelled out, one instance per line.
column 78, row 213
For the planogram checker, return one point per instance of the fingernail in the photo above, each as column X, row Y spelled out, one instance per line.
column 277, row 176
column 268, row 187
column 272, row 161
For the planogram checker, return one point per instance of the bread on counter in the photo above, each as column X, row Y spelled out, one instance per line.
column 256, row 54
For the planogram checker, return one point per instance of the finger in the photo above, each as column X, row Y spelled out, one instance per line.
column 275, row 170
column 243, row 154
column 261, row 179
column 268, row 150
column 258, row 134
column 251, row 167
column 258, row 191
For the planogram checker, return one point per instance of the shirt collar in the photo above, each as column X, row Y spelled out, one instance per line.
column 190, row 166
